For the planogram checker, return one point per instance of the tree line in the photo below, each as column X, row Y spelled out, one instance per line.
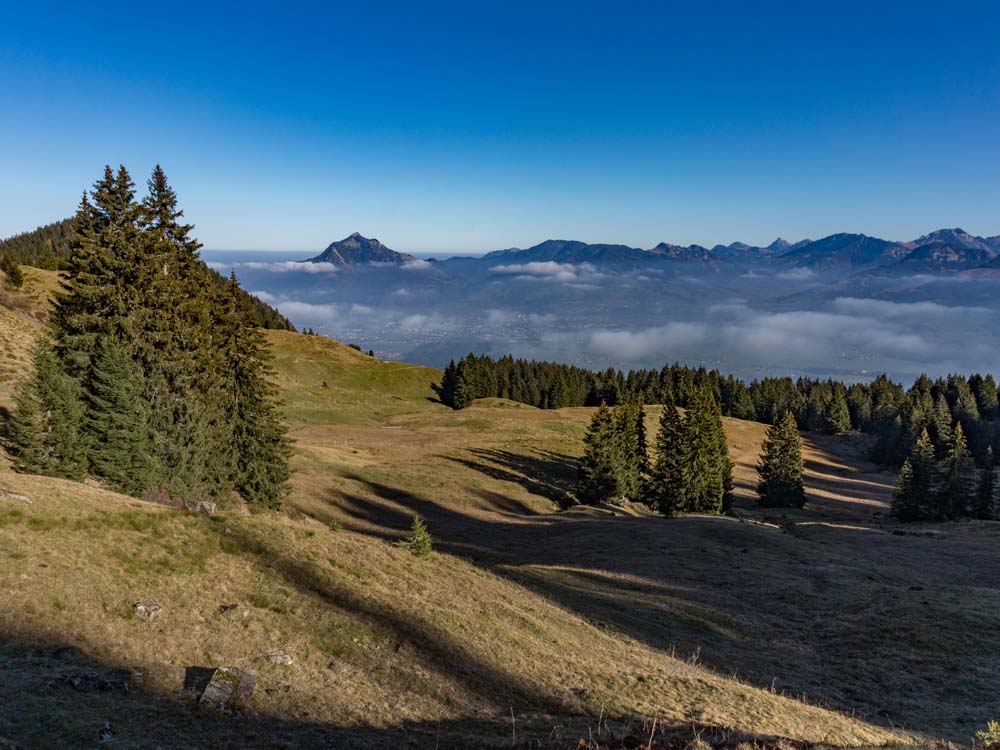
column 51, row 246
column 894, row 415
column 155, row 378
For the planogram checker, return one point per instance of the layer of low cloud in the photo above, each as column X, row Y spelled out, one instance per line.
column 288, row 266
column 853, row 332
column 798, row 274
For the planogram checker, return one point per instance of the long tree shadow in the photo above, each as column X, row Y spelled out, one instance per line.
column 542, row 472
column 53, row 695
column 742, row 579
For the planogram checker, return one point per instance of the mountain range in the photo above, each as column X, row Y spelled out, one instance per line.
column 943, row 250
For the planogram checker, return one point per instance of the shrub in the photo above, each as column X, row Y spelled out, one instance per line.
column 989, row 738
column 12, row 270
column 419, row 541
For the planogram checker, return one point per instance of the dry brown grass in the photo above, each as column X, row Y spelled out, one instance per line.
column 22, row 314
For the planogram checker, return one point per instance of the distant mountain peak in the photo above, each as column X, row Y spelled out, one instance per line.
column 691, row 253
column 957, row 237
column 356, row 249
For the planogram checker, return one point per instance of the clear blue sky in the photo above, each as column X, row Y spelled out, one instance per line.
column 475, row 126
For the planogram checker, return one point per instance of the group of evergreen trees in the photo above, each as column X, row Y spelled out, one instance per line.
column 816, row 404
column 46, row 247
column 156, row 379
column 946, row 485
column 614, row 458
column 885, row 409
column 690, row 471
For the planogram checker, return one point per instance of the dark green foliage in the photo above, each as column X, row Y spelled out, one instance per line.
column 598, row 473
column 669, row 474
column 46, row 247
column 985, row 391
column 986, row 493
column 710, row 470
column 628, row 450
column 916, row 492
column 692, row 472
column 612, row 468
column 957, row 494
column 260, row 448
column 642, row 442
column 939, row 426
column 44, row 433
column 419, row 542
column 780, row 467
column 893, row 415
column 171, row 367
column 11, row 269
column 117, row 422
column 50, row 247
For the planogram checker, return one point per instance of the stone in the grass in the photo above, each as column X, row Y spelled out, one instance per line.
column 229, row 687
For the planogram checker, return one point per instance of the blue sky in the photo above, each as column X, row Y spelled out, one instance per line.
column 476, row 126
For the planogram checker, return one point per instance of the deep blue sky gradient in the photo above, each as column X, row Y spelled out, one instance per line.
column 476, row 126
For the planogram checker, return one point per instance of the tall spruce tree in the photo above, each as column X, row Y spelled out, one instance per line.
column 986, row 495
column 102, row 294
column 940, row 426
column 181, row 355
column 780, row 466
column 116, row 421
column 917, row 486
column 628, row 450
column 669, row 473
column 260, row 446
column 44, row 434
column 709, row 468
column 598, row 472
column 957, row 492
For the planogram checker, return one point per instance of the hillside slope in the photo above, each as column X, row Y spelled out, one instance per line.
column 526, row 624
column 22, row 315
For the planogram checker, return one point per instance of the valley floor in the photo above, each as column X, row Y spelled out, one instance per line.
column 827, row 627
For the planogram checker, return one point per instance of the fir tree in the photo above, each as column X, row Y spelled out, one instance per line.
column 260, row 446
column 958, row 480
column 183, row 323
column 940, row 426
column 668, row 476
column 419, row 543
column 709, row 468
column 628, row 449
column 916, row 488
column 642, row 441
column 986, row 494
column 838, row 416
column 11, row 270
column 597, row 475
column 448, row 384
column 780, row 467
column 44, row 431
column 117, row 422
